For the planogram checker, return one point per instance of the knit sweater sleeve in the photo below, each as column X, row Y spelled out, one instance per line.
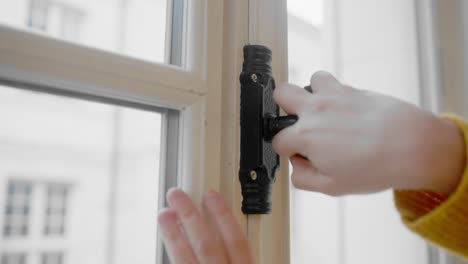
column 436, row 217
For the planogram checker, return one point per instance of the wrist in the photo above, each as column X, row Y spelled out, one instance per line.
column 446, row 157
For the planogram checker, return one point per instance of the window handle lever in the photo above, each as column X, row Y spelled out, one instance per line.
column 273, row 125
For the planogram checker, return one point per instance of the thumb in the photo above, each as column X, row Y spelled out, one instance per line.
column 305, row 176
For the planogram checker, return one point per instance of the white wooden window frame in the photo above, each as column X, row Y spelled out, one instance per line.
column 206, row 91
column 261, row 22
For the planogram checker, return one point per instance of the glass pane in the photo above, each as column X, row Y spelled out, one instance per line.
column 359, row 42
column 88, row 171
column 132, row 27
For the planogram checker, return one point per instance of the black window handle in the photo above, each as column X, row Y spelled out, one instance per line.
column 260, row 122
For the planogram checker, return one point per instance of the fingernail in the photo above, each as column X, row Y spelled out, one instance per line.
column 166, row 216
column 171, row 195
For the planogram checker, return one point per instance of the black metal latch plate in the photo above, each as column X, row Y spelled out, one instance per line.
column 259, row 121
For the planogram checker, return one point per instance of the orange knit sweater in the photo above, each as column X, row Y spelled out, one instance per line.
column 436, row 217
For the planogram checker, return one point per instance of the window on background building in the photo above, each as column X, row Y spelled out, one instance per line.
column 14, row 258
column 52, row 258
column 55, row 209
column 38, row 14
column 17, row 209
column 57, row 18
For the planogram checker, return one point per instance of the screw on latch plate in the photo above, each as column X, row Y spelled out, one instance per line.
column 254, row 77
column 253, row 175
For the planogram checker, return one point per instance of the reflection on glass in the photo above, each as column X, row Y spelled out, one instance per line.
column 79, row 180
column 132, row 27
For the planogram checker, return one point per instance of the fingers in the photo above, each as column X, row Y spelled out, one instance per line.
column 324, row 83
column 290, row 141
column 291, row 98
column 300, row 137
column 195, row 244
column 177, row 246
column 205, row 246
column 235, row 242
column 306, row 177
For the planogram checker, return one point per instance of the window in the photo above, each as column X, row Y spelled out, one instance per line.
column 56, row 209
column 37, row 17
column 120, row 130
column 52, row 258
column 17, row 209
column 14, row 258
column 101, row 136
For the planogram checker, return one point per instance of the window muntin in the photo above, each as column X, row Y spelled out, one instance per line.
column 135, row 28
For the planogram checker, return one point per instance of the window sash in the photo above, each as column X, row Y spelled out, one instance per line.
column 46, row 64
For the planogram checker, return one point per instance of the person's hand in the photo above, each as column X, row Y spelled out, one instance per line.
column 360, row 142
column 190, row 239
